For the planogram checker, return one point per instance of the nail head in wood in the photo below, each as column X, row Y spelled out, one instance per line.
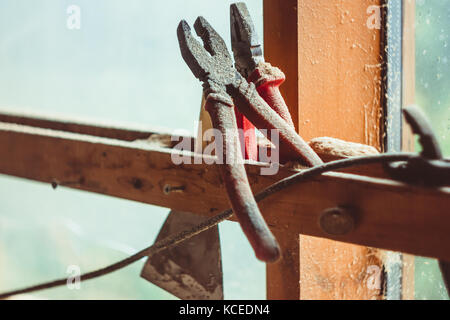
column 337, row 221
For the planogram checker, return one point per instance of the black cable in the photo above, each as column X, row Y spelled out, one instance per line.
column 173, row 240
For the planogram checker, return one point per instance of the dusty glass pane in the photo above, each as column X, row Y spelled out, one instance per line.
column 123, row 64
column 432, row 94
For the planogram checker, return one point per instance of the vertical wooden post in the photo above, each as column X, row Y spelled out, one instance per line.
column 281, row 49
column 283, row 281
column 330, row 52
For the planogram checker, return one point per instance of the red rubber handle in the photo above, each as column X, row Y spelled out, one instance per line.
column 267, row 80
column 248, row 140
column 255, row 108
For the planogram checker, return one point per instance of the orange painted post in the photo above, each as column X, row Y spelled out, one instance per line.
column 283, row 282
column 281, row 49
column 331, row 54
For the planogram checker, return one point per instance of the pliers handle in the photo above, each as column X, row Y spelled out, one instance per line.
column 240, row 195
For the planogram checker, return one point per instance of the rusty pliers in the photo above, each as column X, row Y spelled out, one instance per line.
column 250, row 63
column 224, row 87
column 266, row 79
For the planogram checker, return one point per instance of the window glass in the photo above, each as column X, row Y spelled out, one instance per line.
column 432, row 94
column 120, row 61
column 123, row 63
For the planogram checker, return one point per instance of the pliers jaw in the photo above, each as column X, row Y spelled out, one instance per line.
column 247, row 48
column 192, row 52
column 211, row 62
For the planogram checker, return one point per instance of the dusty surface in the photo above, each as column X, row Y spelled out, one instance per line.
column 191, row 270
column 332, row 149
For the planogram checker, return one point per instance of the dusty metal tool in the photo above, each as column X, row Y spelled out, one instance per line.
column 241, row 49
column 431, row 170
column 212, row 64
column 170, row 269
column 191, row 270
column 250, row 63
column 220, row 74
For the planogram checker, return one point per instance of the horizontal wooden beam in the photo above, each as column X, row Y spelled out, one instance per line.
column 104, row 130
column 390, row 215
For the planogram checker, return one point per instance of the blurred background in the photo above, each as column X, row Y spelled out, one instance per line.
column 123, row 65
column 433, row 95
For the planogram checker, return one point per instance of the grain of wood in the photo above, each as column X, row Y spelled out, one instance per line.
column 390, row 215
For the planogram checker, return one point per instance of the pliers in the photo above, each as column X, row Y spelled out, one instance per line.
column 224, row 88
column 267, row 101
column 249, row 61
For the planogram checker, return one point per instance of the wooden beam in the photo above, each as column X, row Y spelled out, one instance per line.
column 153, row 136
column 104, row 130
column 389, row 215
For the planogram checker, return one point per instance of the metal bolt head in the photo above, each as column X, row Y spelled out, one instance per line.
column 336, row 221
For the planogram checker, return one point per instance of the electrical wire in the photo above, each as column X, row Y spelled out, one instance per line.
column 173, row 240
